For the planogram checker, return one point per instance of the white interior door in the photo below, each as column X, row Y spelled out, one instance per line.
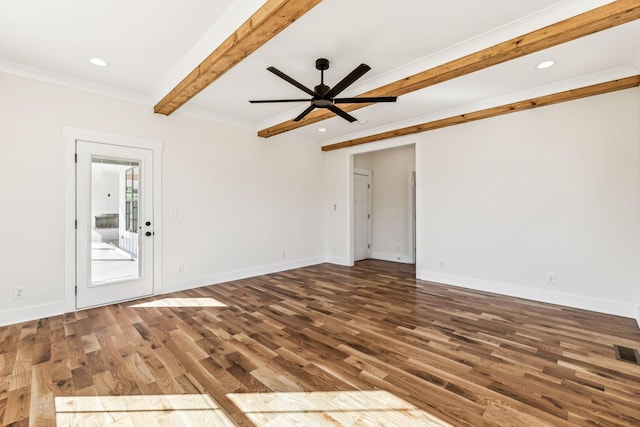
column 114, row 236
column 361, row 215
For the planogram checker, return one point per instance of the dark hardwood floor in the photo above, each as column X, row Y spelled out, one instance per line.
column 322, row 345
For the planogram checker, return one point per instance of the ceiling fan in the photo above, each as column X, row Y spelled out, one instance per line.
column 323, row 96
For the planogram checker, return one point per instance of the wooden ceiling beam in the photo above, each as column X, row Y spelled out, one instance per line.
column 273, row 17
column 528, row 104
column 610, row 15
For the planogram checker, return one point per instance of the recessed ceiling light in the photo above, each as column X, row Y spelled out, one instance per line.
column 545, row 64
column 99, row 62
column 322, row 129
column 363, row 122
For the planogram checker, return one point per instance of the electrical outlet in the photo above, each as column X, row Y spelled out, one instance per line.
column 551, row 278
column 181, row 268
column 18, row 292
column 441, row 264
column 284, row 254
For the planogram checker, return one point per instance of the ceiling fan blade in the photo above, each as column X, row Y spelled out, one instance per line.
column 304, row 113
column 297, row 84
column 347, row 81
column 263, row 101
column 365, row 100
column 341, row 113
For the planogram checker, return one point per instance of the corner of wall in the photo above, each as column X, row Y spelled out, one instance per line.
column 391, row 257
column 337, row 260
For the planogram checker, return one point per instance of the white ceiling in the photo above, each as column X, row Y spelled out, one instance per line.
column 152, row 44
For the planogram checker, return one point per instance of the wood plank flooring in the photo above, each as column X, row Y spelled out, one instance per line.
column 322, row 345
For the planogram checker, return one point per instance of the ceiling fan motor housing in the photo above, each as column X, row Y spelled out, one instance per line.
column 321, row 102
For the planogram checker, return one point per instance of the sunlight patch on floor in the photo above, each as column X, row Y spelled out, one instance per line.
column 181, row 302
column 342, row 408
column 147, row 411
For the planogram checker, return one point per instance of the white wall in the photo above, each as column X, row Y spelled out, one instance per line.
column 105, row 191
column 337, row 207
column 363, row 161
column 504, row 201
column 390, row 204
column 557, row 189
column 240, row 200
column 105, row 199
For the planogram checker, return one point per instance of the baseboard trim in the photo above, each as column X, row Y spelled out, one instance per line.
column 214, row 279
column 384, row 256
column 541, row 295
column 32, row 312
column 40, row 311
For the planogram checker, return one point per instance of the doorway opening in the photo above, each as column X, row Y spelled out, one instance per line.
column 389, row 224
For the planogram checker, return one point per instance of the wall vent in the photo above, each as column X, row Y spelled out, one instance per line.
column 627, row 354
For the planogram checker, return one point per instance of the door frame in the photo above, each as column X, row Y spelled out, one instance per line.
column 71, row 135
column 412, row 216
column 349, row 167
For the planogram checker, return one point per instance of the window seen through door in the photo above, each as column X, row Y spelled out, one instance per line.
column 131, row 199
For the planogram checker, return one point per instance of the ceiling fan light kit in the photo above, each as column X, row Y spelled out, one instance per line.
column 323, row 96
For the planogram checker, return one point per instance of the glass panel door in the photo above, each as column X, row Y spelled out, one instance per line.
column 114, row 209
column 114, row 241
